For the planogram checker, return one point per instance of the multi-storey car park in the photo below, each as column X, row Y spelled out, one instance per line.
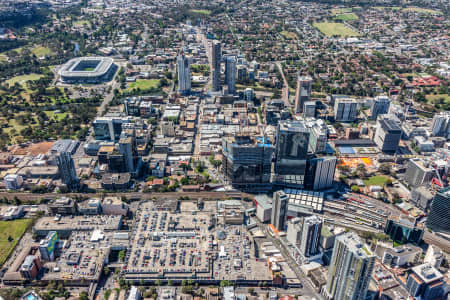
column 181, row 242
column 88, row 70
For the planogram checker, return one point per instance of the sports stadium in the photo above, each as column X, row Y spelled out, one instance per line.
column 88, row 70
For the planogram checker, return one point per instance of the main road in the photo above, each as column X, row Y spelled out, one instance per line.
column 130, row 195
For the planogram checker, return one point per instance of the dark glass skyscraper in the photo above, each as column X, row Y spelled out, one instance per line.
column 439, row 216
column 291, row 154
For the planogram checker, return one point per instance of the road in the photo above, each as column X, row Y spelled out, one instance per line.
column 285, row 92
column 140, row 196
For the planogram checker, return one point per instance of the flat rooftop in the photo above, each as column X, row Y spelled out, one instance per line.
column 78, row 223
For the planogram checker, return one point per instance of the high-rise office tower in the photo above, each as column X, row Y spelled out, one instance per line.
column 309, row 243
column 247, row 162
column 380, row 106
column 184, row 74
column 279, row 209
column 387, row 135
column 320, row 172
column 291, row 153
column 350, row 270
column 230, row 74
column 303, row 93
column 127, row 149
column 345, row 110
column 216, row 55
column 426, row 283
column 439, row 216
column 67, row 170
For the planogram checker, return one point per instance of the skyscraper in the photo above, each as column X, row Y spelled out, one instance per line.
column 216, row 54
column 247, row 162
column 126, row 148
column 439, row 216
column 345, row 110
column 303, row 93
column 320, row 172
column 350, row 270
column 184, row 74
column 387, row 135
column 441, row 124
column 417, row 173
column 279, row 209
column 66, row 168
column 291, row 153
column 380, row 106
column 230, row 74
column 309, row 243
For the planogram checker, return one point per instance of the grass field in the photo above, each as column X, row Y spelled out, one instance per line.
column 14, row 229
column 201, row 11
column 376, row 180
column 41, row 51
column 346, row 17
column 56, row 116
column 289, row 35
column 438, row 97
column 337, row 11
column 423, row 10
column 3, row 57
column 22, row 79
column 143, row 84
column 82, row 23
column 387, row 7
column 335, row 29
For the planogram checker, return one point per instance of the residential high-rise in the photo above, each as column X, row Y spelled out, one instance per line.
column 439, row 216
column 292, row 140
column 441, row 124
column 247, row 162
column 309, row 242
column 67, row 170
column 350, row 269
column 216, row 55
column 417, row 173
column 425, row 282
column 279, row 209
column 387, row 135
column 303, row 92
column 345, row 110
column 320, row 172
column 380, row 106
column 127, row 149
column 184, row 74
column 230, row 74
column 309, row 109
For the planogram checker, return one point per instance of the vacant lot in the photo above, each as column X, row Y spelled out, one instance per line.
column 144, row 84
column 335, row 29
column 10, row 234
column 376, row 180
column 346, row 17
column 22, row 79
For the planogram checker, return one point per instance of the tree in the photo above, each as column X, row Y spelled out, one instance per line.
column 355, row 188
column 83, row 296
column 385, row 168
column 122, row 255
column 251, row 290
